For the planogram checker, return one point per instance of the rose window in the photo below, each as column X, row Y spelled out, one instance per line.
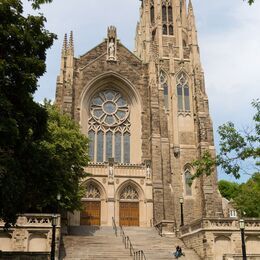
column 109, row 108
column 109, row 127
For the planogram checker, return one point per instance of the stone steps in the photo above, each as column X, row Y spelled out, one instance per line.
column 101, row 243
column 156, row 247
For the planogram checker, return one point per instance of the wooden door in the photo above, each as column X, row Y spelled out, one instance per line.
column 90, row 215
column 129, row 213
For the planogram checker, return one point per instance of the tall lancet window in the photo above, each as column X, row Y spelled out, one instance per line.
column 152, row 12
column 183, row 93
column 164, row 85
column 188, row 181
column 167, row 19
column 109, row 127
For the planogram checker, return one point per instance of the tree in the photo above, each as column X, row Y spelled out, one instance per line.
column 228, row 190
column 237, row 148
column 42, row 153
column 245, row 196
column 23, row 45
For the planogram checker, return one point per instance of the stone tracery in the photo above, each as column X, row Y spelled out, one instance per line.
column 129, row 193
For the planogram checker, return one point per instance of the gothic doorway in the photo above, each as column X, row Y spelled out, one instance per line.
column 129, row 207
column 91, row 212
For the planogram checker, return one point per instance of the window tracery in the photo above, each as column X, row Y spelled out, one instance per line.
column 167, row 18
column 188, row 181
column 183, row 93
column 129, row 193
column 109, row 127
column 92, row 192
column 164, row 85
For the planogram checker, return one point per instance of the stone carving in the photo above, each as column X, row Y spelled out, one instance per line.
column 92, row 192
column 129, row 193
column 111, row 43
column 202, row 131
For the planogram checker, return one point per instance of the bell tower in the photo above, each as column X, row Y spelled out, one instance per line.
column 166, row 40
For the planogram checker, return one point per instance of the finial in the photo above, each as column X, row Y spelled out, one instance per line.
column 71, row 42
column 190, row 5
column 65, row 45
column 111, row 32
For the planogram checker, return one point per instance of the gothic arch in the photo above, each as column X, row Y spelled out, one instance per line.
column 113, row 82
column 130, row 183
column 94, row 183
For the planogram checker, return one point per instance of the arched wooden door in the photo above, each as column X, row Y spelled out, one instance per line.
column 129, row 207
column 91, row 212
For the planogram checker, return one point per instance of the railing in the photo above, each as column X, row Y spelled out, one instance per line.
column 114, row 225
column 137, row 254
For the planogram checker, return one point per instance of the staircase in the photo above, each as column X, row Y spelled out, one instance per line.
column 92, row 242
column 156, row 247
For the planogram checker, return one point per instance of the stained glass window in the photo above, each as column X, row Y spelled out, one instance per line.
column 109, row 120
column 188, row 182
column 183, row 93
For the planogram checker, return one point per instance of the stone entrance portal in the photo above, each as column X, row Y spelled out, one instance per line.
column 129, row 207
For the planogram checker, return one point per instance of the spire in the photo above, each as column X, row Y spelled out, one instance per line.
column 65, row 45
column 190, row 7
column 71, row 44
column 183, row 12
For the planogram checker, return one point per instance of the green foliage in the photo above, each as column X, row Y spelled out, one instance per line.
column 23, row 45
column 228, row 190
column 245, row 196
column 236, row 148
column 248, row 197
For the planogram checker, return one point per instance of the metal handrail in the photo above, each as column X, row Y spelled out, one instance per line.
column 139, row 255
column 114, row 225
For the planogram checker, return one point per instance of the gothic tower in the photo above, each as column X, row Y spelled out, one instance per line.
column 147, row 118
column 166, row 40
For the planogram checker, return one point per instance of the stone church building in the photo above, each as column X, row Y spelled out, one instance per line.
column 146, row 115
column 147, row 118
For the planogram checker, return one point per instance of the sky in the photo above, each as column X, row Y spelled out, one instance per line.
column 229, row 40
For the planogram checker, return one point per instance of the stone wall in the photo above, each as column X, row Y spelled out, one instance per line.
column 212, row 239
column 24, row 256
column 32, row 233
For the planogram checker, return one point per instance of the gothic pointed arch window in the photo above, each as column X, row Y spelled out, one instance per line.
column 129, row 193
column 164, row 85
column 188, row 181
column 92, row 191
column 167, row 19
column 109, row 127
column 183, row 93
column 152, row 12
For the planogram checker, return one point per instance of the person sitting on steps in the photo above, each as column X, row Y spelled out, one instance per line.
column 178, row 253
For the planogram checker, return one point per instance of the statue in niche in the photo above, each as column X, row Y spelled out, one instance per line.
column 111, row 49
column 148, row 172
column 110, row 172
column 111, row 43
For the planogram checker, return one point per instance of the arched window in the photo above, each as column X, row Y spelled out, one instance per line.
column 170, row 14
column 167, row 19
column 109, row 127
column 152, row 13
column 170, row 30
column 164, row 28
column 164, row 85
column 188, row 181
column 164, row 14
column 183, row 93
column 129, row 193
column 92, row 191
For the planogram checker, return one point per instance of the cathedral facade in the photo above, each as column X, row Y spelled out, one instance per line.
column 146, row 115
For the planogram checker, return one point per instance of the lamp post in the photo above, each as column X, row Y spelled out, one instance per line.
column 242, row 229
column 181, row 203
column 54, row 221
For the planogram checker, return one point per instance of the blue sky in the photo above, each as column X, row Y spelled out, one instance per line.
column 229, row 39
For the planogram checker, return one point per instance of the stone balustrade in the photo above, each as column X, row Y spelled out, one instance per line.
column 120, row 170
column 31, row 233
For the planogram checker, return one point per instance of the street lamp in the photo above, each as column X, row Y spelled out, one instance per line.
column 54, row 222
column 242, row 229
column 181, row 203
